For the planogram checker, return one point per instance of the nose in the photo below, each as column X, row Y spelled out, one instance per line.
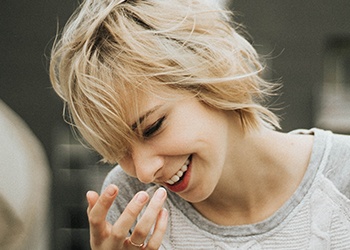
column 147, row 163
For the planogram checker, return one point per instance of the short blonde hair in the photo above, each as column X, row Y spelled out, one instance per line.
column 110, row 51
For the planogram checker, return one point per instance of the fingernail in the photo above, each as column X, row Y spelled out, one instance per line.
column 141, row 197
column 111, row 190
column 88, row 193
column 160, row 193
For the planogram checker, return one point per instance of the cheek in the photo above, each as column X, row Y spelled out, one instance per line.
column 128, row 166
column 175, row 141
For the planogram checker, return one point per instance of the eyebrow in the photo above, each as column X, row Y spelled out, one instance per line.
column 143, row 117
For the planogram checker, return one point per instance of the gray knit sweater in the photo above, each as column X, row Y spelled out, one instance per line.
column 317, row 216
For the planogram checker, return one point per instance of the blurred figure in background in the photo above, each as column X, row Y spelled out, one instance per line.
column 24, row 186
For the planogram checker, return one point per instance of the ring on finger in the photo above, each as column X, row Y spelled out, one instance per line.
column 135, row 244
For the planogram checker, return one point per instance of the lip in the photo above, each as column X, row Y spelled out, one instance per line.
column 183, row 183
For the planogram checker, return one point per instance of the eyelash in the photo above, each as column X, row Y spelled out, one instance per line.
column 152, row 129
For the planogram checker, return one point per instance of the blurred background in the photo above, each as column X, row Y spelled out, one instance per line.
column 306, row 44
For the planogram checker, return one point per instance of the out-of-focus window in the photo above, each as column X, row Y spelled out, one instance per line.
column 334, row 101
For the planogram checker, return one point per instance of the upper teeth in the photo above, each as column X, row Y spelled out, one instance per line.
column 179, row 174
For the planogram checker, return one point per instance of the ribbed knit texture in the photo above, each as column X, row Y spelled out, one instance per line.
column 317, row 216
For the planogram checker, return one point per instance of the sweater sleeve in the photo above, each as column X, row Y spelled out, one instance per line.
column 128, row 187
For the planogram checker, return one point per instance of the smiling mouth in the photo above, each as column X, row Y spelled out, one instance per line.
column 178, row 176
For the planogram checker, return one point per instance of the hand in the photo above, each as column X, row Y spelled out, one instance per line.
column 105, row 236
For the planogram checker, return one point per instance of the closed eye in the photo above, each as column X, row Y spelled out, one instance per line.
column 153, row 128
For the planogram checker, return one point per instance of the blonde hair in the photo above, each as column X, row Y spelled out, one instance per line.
column 111, row 51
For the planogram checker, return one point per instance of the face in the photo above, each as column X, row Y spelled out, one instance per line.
column 183, row 146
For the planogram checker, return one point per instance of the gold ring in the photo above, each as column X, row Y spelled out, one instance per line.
column 134, row 244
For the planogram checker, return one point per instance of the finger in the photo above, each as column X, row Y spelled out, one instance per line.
column 148, row 219
column 98, row 209
column 159, row 230
column 125, row 221
column 92, row 198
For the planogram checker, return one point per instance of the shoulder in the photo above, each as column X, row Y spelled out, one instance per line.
column 338, row 164
column 340, row 152
column 331, row 152
column 335, row 158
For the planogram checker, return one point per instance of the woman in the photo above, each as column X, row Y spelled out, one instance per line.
column 173, row 93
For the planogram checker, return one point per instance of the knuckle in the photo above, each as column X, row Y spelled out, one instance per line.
column 117, row 236
column 161, row 227
column 131, row 211
column 94, row 221
column 104, row 201
column 140, row 233
column 155, row 205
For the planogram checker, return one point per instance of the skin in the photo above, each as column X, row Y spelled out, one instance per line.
column 103, row 235
column 237, row 177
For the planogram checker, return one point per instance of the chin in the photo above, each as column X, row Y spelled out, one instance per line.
column 193, row 197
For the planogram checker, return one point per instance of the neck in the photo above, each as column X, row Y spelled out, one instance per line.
column 262, row 172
